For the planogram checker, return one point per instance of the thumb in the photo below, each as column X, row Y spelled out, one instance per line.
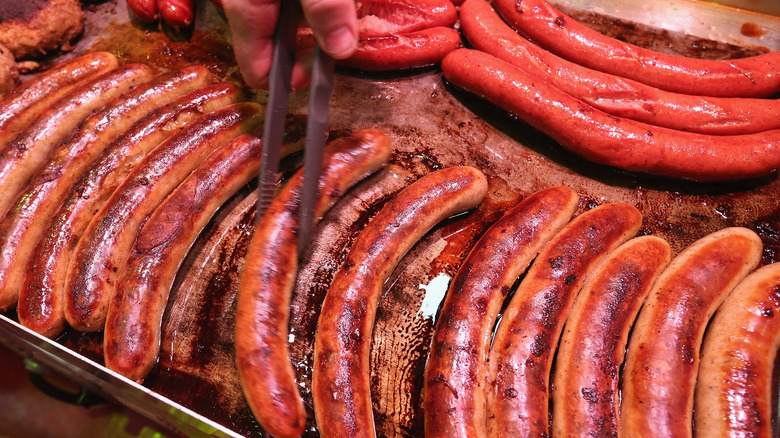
column 335, row 25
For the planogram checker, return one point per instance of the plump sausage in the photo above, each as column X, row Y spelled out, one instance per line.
column 262, row 354
column 101, row 252
column 340, row 384
column 131, row 341
column 41, row 299
column 144, row 10
column 613, row 94
column 605, row 139
column 176, row 13
column 755, row 76
column 526, row 338
column 456, row 373
column 30, row 99
column 24, row 224
column 403, row 51
column 593, row 344
column 734, row 387
column 24, row 155
column 663, row 353
column 386, row 17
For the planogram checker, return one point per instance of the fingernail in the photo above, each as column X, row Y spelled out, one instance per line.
column 339, row 42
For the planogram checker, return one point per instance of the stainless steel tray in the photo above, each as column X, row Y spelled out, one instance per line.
column 194, row 388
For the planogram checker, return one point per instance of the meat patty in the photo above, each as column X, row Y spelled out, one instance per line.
column 31, row 28
column 9, row 71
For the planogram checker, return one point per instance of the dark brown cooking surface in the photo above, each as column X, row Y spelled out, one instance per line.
column 432, row 125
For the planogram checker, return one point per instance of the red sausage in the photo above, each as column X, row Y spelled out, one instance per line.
column 613, row 94
column 614, row 141
column 755, row 76
column 176, row 13
column 527, row 336
column 403, row 51
column 264, row 366
column 144, row 10
column 341, row 380
column 386, row 17
column 456, row 373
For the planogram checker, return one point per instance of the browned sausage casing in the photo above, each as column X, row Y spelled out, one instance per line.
column 755, row 76
column 526, row 338
column 131, row 341
column 30, row 100
column 734, row 387
column 24, row 155
column 456, row 372
column 613, row 94
column 41, row 306
column 101, row 252
column 262, row 318
column 606, row 139
column 24, row 224
column 593, row 345
column 340, row 384
column 663, row 353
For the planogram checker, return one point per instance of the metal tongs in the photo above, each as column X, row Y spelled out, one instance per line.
column 280, row 77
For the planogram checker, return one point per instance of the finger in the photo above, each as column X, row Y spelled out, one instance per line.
column 252, row 24
column 335, row 25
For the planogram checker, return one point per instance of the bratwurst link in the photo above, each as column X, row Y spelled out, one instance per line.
column 340, row 384
column 41, row 299
column 262, row 353
column 456, row 372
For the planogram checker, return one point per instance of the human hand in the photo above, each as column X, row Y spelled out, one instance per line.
column 252, row 24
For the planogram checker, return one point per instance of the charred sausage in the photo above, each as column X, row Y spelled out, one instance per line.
column 101, row 252
column 24, row 155
column 24, row 224
column 340, row 384
column 41, row 299
column 734, row 387
column 593, row 345
column 662, row 361
column 262, row 317
column 456, row 372
column 526, row 338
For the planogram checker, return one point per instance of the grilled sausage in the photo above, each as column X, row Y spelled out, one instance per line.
column 755, row 76
column 41, row 306
column 613, row 94
column 456, row 372
column 734, row 387
column 176, row 13
column 605, row 139
column 593, row 344
column 31, row 98
column 23, row 156
column 101, row 252
column 663, row 353
column 524, row 344
column 24, row 224
column 262, row 317
column 340, row 384
column 131, row 342
column 387, row 17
